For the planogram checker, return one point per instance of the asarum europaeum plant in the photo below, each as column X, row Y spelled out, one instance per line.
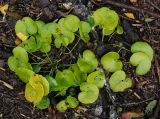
column 36, row 89
column 142, row 57
column 38, row 36
column 111, row 62
column 118, row 81
column 108, row 20
column 69, row 102
column 88, row 63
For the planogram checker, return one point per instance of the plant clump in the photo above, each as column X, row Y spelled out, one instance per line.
column 85, row 74
column 142, row 57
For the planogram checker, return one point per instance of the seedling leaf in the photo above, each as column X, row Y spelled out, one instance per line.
column 44, row 103
column 89, row 93
column 97, row 78
column 88, row 63
column 118, row 81
column 111, row 62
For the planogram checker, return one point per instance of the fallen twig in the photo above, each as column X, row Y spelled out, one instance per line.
column 1, row 68
column 7, row 85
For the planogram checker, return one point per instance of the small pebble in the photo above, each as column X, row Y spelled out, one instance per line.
column 98, row 110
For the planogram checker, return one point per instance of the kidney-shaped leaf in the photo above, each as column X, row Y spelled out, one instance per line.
column 21, row 30
column 89, row 93
column 141, row 61
column 61, row 106
column 118, row 81
column 72, row 102
column 24, row 74
column 39, row 79
column 65, row 78
column 142, row 47
column 19, row 59
column 80, row 76
column 88, row 63
column 71, row 23
column 34, row 94
column 44, row 103
column 97, row 78
column 84, row 29
column 111, row 62
column 30, row 24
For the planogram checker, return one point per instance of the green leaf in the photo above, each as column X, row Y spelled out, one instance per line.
column 151, row 105
column 71, row 23
column 80, row 77
column 34, row 94
column 88, row 63
column 61, row 40
column 97, row 78
column 61, row 26
column 47, row 30
column 58, row 41
column 69, row 35
column 111, row 20
column 61, row 106
column 142, row 62
column 107, row 19
column 119, row 29
column 107, row 32
column 52, row 83
column 84, row 29
column 21, row 30
column 142, row 47
column 65, row 78
column 36, row 68
column 46, row 47
column 20, row 54
column 40, row 80
column 44, row 103
column 30, row 25
column 111, row 62
column 99, row 15
column 71, row 102
column 40, row 24
column 118, row 81
column 19, row 59
column 89, row 93
column 24, row 74
column 90, row 20
column 30, row 45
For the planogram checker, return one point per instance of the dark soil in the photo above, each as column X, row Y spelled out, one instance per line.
column 145, row 89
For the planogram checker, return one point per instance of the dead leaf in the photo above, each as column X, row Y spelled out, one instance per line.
column 130, row 115
column 18, row 41
column 133, row 1
column 4, row 9
column 130, row 15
